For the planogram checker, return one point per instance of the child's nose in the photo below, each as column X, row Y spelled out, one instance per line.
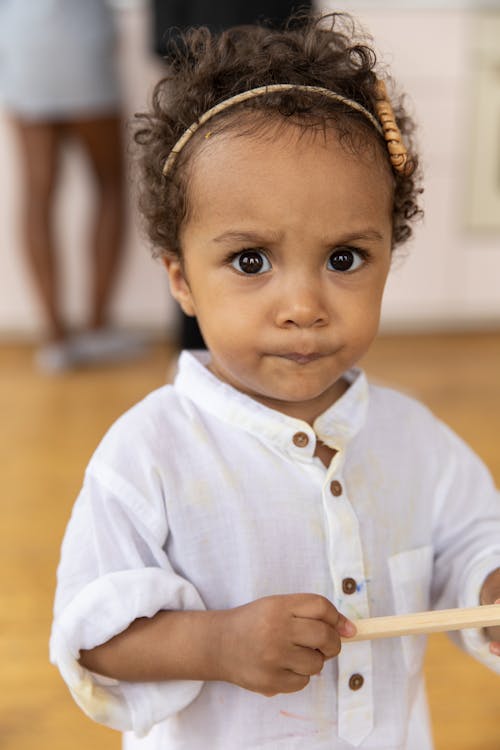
column 301, row 304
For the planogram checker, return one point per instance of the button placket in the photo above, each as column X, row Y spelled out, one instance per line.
column 355, row 693
column 345, row 551
column 345, row 555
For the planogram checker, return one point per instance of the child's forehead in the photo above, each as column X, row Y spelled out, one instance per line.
column 241, row 142
column 282, row 170
column 257, row 134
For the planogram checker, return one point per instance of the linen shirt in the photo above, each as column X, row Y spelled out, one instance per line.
column 200, row 497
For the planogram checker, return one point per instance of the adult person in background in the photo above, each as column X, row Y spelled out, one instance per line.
column 171, row 16
column 58, row 82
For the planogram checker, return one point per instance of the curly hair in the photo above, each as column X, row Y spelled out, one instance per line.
column 207, row 68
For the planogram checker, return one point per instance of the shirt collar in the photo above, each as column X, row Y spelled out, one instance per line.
column 335, row 427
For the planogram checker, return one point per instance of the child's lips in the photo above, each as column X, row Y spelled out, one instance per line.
column 301, row 358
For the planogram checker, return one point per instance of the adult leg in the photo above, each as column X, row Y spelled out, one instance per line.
column 39, row 147
column 101, row 139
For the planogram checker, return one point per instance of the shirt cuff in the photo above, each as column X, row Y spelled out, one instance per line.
column 101, row 610
column 475, row 640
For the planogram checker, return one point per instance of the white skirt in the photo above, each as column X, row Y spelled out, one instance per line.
column 57, row 58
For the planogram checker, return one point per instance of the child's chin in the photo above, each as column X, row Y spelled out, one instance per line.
column 301, row 393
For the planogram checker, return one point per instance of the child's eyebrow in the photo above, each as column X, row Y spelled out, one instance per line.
column 369, row 234
column 273, row 237
column 245, row 236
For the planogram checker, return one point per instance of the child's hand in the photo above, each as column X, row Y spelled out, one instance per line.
column 273, row 645
column 490, row 594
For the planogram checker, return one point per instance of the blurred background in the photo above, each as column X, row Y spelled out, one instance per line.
column 445, row 54
column 440, row 341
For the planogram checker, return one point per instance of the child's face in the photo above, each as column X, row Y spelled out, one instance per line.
column 313, row 222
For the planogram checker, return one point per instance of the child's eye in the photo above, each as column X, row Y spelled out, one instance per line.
column 251, row 262
column 345, row 259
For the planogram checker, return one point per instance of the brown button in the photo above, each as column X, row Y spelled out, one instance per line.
column 349, row 586
column 336, row 488
column 356, row 681
column 300, row 439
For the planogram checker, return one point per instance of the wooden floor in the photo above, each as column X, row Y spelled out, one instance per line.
column 49, row 427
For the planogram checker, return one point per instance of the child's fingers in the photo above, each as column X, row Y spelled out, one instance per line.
column 495, row 648
column 290, row 682
column 305, row 661
column 316, row 635
column 345, row 627
column 493, row 634
column 318, row 607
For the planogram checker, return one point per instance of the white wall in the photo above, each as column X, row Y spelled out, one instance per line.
column 451, row 275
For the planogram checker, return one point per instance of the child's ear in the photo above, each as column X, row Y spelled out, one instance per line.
column 178, row 284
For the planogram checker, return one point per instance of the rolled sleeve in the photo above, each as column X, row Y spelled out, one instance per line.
column 475, row 640
column 114, row 570
column 468, row 534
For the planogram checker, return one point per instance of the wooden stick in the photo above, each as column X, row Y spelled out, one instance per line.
column 420, row 623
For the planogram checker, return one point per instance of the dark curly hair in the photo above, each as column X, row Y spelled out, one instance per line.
column 207, row 68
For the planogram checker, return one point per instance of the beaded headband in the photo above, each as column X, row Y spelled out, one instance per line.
column 385, row 125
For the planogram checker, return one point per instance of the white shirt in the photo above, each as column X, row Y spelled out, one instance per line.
column 199, row 497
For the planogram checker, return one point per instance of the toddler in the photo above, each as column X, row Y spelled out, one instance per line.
column 232, row 526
